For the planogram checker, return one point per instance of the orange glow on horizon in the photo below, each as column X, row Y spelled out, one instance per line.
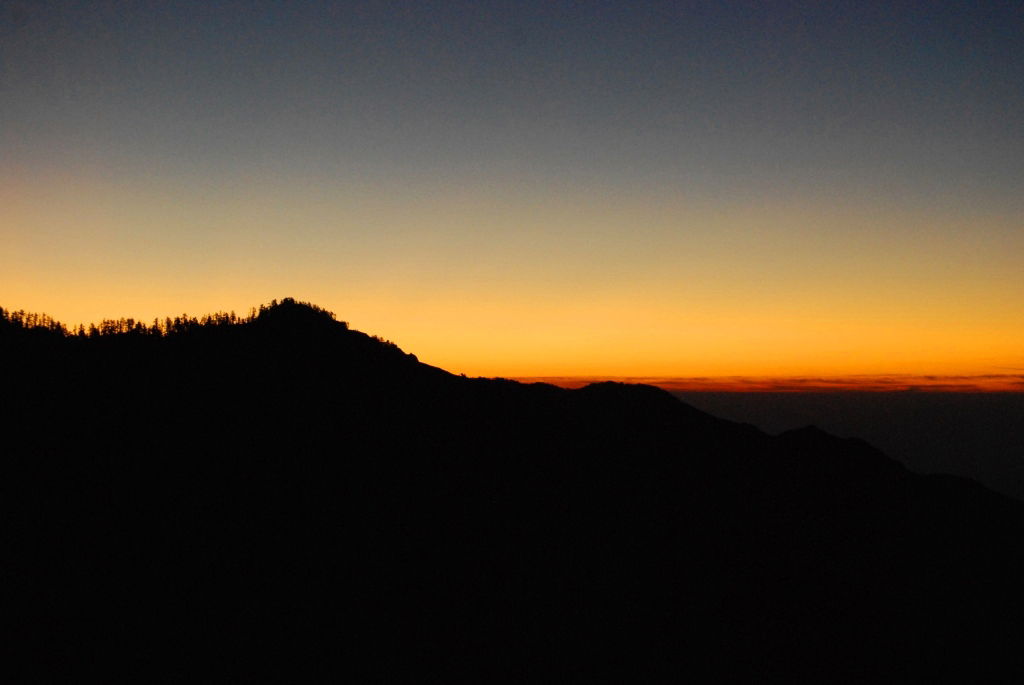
column 528, row 338
column 986, row 383
column 520, row 282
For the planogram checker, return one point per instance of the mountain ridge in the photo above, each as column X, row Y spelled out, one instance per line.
column 243, row 473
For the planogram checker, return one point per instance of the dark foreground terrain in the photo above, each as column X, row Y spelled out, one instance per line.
column 282, row 497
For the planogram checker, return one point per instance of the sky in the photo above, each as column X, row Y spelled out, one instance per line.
column 600, row 189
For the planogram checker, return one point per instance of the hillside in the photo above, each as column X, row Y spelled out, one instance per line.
column 278, row 493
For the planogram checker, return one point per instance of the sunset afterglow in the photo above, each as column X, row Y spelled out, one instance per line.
column 542, row 192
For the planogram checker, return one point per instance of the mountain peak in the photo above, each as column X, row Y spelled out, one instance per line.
column 292, row 313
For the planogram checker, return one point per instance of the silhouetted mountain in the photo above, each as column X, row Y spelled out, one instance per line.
column 974, row 434
column 279, row 495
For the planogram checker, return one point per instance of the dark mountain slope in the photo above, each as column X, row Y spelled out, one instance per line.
column 282, row 495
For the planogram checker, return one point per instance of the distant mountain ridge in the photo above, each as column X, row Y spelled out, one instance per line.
column 278, row 493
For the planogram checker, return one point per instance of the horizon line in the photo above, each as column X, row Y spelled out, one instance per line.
column 905, row 383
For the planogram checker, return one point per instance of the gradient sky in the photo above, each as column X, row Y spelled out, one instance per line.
column 533, row 188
